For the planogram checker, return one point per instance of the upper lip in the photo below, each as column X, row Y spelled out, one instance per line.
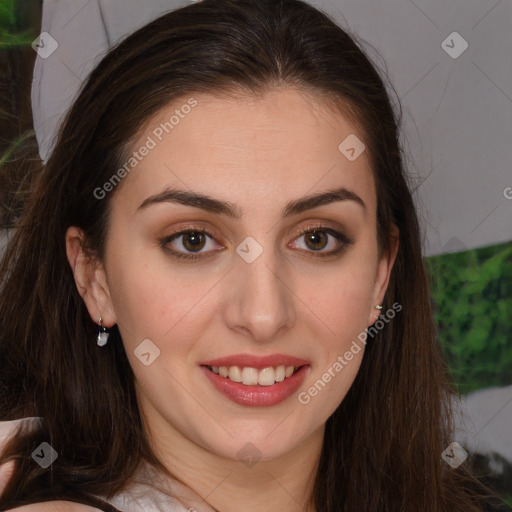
column 258, row 362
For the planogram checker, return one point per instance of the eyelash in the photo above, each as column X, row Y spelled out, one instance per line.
column 340, row 237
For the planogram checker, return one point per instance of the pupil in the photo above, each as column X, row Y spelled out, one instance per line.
column 316, row 237
column 194, row 240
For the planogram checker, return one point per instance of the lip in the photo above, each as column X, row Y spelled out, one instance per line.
column 258, row 362
column 256, row 396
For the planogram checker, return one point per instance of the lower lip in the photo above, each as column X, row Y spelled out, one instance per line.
column 257, row 396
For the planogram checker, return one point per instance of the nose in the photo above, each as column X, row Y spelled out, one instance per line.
column 260, row 301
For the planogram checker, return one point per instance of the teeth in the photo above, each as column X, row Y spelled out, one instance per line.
column 235, row 374
column 252, row 376
column 267, row 377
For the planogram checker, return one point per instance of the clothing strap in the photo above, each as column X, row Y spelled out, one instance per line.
column 85, row 499
column 93, row 501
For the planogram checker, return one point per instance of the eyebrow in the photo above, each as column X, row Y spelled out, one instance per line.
column 230, row 209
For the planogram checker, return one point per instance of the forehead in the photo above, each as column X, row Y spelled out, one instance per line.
column 246, row 148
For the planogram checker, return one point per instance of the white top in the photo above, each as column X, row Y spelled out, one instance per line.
column 149, row 491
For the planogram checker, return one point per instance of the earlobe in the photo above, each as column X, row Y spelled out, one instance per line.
column 90, row 278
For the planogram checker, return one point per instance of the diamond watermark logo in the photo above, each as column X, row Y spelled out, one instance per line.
column 454, row 45
column 249, row 455
column 147, row 352
column 45, row 455
column 351, row 147
column 44, row 45
column 249, row 249
column 454, row 455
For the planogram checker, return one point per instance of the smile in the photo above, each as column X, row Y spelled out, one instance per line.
column 256, row 381
column 254, row 377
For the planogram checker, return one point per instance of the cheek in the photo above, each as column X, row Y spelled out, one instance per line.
column 155, row 300
column 341, row 295
column 342, row 305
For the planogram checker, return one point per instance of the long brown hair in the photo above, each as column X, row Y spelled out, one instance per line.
column 382, row 447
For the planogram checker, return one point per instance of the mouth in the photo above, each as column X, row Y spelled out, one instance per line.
column 256, row 382
column 249, row 376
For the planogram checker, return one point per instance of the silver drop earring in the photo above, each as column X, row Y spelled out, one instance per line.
column 378, row 306
column 103, row 334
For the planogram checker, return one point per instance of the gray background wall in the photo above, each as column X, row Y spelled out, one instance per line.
column 457, row 104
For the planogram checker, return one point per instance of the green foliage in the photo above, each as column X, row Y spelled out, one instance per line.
column 9, row 34
column 472, row 295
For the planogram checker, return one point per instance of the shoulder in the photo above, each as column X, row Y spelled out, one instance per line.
column 55, row 506
column 10, row 428
column 7, row 430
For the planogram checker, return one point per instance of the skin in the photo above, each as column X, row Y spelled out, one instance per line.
column 259, row 153
column 55, row 506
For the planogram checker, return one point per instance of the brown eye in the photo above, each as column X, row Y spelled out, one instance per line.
column 189, row 243
column 194, row 241
column 316, row 240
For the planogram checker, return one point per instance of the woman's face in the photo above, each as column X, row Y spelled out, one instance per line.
column 253, row 293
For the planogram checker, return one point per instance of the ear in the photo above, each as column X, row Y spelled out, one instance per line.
column 90, row 278
column 384, row 267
